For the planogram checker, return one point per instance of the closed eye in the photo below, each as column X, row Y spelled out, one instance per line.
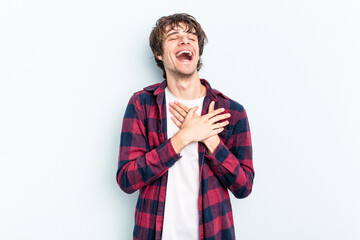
column 192, row 36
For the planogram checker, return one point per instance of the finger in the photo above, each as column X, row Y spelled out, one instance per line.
column 184, row 107
column 192, row 111
column 214, row 113
column 212, row 106
column 177, row 108
column 221, row 124
column 220, row 117
column 176, row 114
column 217, row 131
column 177, row 122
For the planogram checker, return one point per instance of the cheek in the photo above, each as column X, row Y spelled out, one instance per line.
column 167, row 53
column 197, row 49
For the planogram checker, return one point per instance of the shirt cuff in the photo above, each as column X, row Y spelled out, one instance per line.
column 167, row 154
column 219, row 155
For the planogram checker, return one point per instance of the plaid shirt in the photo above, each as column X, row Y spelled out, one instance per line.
column 146, row 155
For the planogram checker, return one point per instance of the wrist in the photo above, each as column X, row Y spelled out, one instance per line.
column 180, row 140
column 211, row 143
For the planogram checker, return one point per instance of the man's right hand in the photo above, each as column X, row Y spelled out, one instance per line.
column 195, row 128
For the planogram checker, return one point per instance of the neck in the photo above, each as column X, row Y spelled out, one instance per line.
column 187, row 88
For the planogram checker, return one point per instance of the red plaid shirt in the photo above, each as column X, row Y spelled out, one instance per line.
column 146, row 154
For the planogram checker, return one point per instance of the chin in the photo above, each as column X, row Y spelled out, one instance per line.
column 186, row 74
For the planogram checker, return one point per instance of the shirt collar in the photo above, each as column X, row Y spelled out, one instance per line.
column 160, row 88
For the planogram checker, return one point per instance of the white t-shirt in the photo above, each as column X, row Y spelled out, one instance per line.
column 181, row 217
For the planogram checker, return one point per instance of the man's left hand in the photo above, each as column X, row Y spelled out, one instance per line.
column 179, row 111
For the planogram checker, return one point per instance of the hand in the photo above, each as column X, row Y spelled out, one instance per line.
column 182, row 119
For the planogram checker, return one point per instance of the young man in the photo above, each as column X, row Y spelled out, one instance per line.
column 183, row 144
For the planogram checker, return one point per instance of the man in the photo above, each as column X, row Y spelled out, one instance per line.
column 183, row 144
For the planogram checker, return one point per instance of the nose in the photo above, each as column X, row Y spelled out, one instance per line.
column 183, row 40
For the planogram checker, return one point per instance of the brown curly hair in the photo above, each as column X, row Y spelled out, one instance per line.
column 157, row 35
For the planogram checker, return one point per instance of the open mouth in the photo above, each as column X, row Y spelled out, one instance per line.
column 184, row 55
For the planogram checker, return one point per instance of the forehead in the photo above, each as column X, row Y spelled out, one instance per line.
column 179, row 26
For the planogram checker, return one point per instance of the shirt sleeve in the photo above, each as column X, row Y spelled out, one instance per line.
column 138, row 166
column 233, row 165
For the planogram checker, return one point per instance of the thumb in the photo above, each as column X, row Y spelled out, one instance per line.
column 212, row 106
column 192, row 111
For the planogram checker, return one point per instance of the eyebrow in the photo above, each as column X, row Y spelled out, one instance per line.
column 176, row 32
column 172, row 33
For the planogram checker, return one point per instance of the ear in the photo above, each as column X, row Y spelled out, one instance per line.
column 159, row 57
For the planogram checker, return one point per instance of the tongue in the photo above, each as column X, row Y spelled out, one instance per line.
column 184, row 56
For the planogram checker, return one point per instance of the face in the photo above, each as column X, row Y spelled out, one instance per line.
column 181, row 52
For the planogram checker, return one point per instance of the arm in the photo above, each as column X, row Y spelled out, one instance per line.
column 137, row 165
column 234, row 167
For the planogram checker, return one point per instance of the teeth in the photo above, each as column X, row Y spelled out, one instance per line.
column 187, row 52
